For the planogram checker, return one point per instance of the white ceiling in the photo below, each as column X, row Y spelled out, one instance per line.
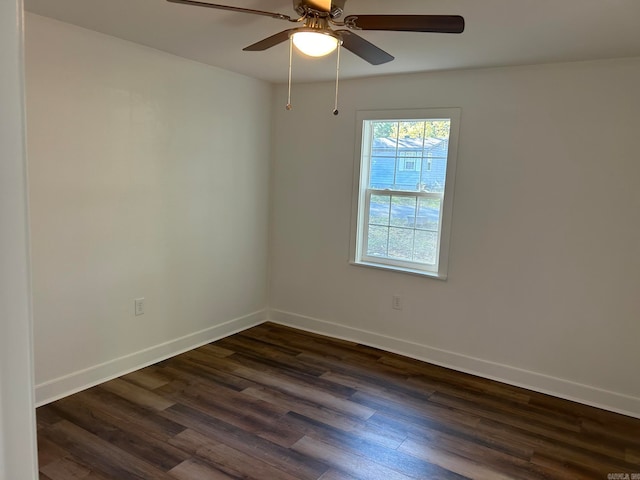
column 498, row 32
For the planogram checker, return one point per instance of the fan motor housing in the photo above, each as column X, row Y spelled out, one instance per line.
column 337, row 7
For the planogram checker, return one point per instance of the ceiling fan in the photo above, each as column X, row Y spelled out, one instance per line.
column 315, row 36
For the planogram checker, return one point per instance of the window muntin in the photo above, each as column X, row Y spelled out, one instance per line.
column 406, row 165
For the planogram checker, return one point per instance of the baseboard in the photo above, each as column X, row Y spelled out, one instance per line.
column 77, row 381
column 558, row 387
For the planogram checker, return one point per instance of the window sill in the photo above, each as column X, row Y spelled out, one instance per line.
column 410, row 271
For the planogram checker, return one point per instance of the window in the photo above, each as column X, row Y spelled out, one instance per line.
column 405, row 169
column 409, row 162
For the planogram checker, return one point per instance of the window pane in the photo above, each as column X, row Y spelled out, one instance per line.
column 412, row 130
column 401, row 243
column 383, row 172
column 385, row 129
column 438, row 128
column 407, row 180
column 425, row 247
column 379, row 209
column 377, row 241
column 428, row 217
column 403, row 211
column 434, row 165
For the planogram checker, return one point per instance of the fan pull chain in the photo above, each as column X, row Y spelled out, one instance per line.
column 335, row 108
column 289, row 107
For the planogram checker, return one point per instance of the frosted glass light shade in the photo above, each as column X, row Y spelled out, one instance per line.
column 314, row 44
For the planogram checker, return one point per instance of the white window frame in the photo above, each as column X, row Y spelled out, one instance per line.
column 403, row 164
column 362, row 193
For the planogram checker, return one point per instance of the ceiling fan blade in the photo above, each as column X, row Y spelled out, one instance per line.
column 407, row 23
column 271, row 41
column 279, row 16
column 363, row 48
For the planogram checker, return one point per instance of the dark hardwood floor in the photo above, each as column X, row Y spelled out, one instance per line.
column 276, row 403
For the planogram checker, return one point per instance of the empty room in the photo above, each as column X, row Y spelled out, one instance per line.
column 320, row 240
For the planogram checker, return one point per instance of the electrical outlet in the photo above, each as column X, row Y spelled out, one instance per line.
column 397, row 302
column 139, row 306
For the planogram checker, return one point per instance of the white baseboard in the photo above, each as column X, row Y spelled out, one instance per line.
column 77, row 381
column 558, row 387
column 69, row 384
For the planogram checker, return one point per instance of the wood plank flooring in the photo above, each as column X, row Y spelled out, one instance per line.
column 274, row 403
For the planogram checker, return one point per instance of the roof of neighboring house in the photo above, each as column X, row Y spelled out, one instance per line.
column 408, row 143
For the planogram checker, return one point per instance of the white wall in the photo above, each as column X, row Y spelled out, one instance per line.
column 17, row 420
column 148, row 178
column 544, row 262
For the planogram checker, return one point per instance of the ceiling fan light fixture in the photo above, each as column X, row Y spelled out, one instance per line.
column 315, row 44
